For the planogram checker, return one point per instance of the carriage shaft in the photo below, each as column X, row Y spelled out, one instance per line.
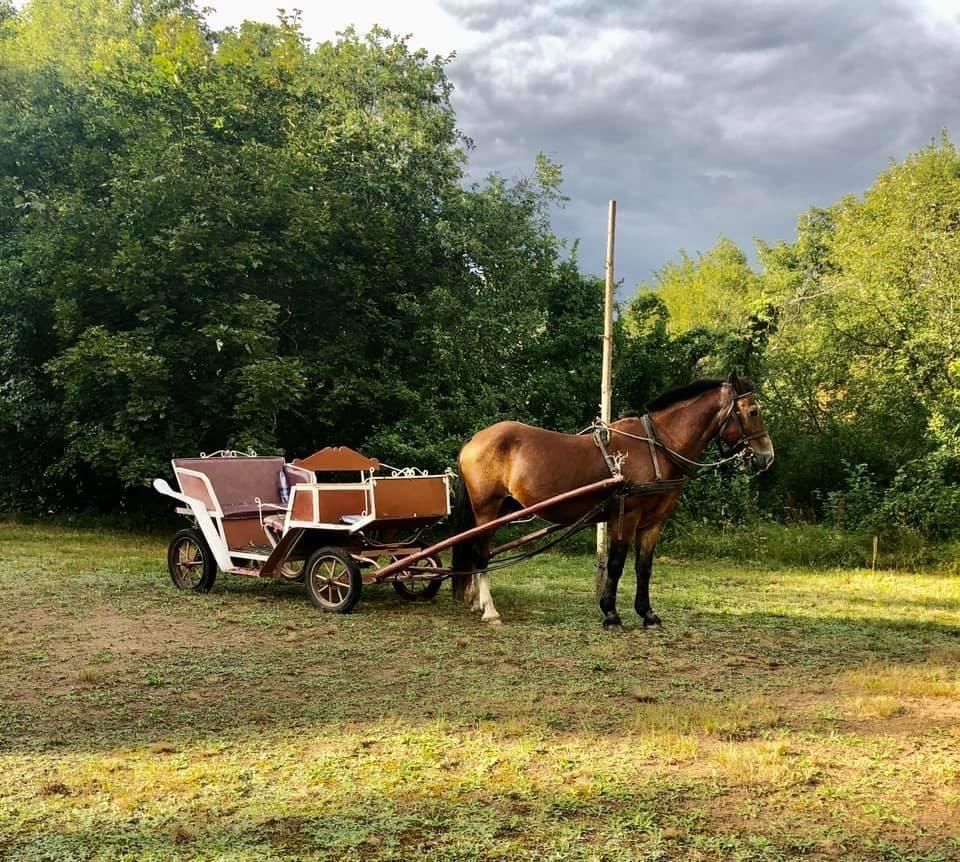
column 524, row 540
column 473, row 532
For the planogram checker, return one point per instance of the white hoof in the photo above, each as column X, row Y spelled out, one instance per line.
column 492, row 620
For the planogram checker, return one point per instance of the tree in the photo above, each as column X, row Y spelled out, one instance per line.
column 234, row 239
column 717, row 290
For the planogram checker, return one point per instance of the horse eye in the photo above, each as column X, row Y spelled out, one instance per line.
column 753, row 411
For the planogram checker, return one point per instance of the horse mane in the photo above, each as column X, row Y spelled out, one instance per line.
column 698, row 387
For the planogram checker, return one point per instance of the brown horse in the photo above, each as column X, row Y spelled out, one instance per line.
column 511, row 464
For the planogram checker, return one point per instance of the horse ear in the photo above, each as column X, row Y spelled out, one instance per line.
column 734, row 378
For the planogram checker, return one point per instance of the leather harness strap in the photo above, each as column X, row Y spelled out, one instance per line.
column 601, row 436
column 651, row 438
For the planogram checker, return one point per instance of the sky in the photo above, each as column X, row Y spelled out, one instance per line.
column 701, row 118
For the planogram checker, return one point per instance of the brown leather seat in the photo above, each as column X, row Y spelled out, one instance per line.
column 239, row 482
column 244, row 511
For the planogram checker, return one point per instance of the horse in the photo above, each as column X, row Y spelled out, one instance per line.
column 510, row 465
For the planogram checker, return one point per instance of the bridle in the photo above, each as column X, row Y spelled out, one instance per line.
column 733, row 413
column 739, row 451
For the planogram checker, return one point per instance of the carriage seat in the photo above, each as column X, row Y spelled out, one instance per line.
column 351, row 519
column 244, row 510
column 238, row 482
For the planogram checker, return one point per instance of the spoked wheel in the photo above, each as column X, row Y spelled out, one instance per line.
column 333, row 580
column 292, row 570
column 418, row 590
column 191, row 563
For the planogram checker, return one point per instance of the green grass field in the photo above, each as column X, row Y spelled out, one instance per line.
column 778, row 714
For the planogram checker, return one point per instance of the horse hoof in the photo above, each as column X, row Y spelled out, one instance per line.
column 650, row 619
column 612, row 622
column 492, row 621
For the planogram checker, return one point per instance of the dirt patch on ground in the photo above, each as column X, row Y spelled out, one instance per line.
column 69, row 639
column 50, row 656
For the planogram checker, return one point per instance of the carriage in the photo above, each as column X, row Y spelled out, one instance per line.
column 334, row 520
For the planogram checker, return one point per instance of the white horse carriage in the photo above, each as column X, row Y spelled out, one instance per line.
column 266, row 518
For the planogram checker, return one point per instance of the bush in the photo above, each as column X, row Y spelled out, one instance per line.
column 925, row 495
column 725, row 496
column 856, row 506
column 769, row 544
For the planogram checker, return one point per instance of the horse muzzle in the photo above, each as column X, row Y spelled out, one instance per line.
column 762, row 458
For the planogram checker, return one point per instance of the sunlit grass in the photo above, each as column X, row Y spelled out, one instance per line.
column 923, row 680
column 778, row 714
column 878, row 706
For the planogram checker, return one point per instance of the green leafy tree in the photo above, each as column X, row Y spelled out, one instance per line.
column 236, row 239
column 862, row 366
column 717, row 290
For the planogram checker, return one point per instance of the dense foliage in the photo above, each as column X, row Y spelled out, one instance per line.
column 854, row 330
column 234, row 239
column 239, row 239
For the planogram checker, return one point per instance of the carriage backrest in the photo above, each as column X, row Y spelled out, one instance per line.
column 337, row 459
column 237, row 481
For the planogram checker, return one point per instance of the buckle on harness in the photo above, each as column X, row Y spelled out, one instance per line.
column 601, row 436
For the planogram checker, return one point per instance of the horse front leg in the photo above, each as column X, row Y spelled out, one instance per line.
column 616, row 557
column 646, row 542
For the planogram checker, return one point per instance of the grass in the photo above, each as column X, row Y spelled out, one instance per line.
column 767, row 544
column 780, row 713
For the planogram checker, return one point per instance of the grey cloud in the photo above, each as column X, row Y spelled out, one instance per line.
column 703, row 118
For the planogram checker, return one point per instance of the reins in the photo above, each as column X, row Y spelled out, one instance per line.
column 680, row 460
column 602, row 430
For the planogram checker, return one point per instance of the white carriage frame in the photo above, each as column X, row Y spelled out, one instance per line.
column 210, row 521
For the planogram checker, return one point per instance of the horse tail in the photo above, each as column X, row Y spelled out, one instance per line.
column 463, row 519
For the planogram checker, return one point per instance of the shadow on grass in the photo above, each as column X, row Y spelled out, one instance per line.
column 255, row 656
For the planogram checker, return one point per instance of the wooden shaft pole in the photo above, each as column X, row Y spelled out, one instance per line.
column 606, row 373
column 405, row 562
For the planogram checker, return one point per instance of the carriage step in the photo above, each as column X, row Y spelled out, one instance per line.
column 253, row 549
column 247, row 572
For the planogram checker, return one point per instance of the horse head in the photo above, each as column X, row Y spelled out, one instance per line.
column 741, row 427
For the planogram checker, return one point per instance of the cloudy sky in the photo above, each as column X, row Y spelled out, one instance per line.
column 701, row 117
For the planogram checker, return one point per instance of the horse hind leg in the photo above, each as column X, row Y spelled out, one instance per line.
column 471, row 558
column 465, row 580
column 477, row 593
column 464, row 563
column 473, row 594
column 484, row 599
column 490, row 614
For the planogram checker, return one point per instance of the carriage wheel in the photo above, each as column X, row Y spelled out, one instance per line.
column 416, row 590
column 292, row 570
column 191, row 563
column 333, row 580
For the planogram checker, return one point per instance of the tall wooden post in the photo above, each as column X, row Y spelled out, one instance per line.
column 606, row 374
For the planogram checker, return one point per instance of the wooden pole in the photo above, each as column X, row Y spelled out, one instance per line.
column 606, row 374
